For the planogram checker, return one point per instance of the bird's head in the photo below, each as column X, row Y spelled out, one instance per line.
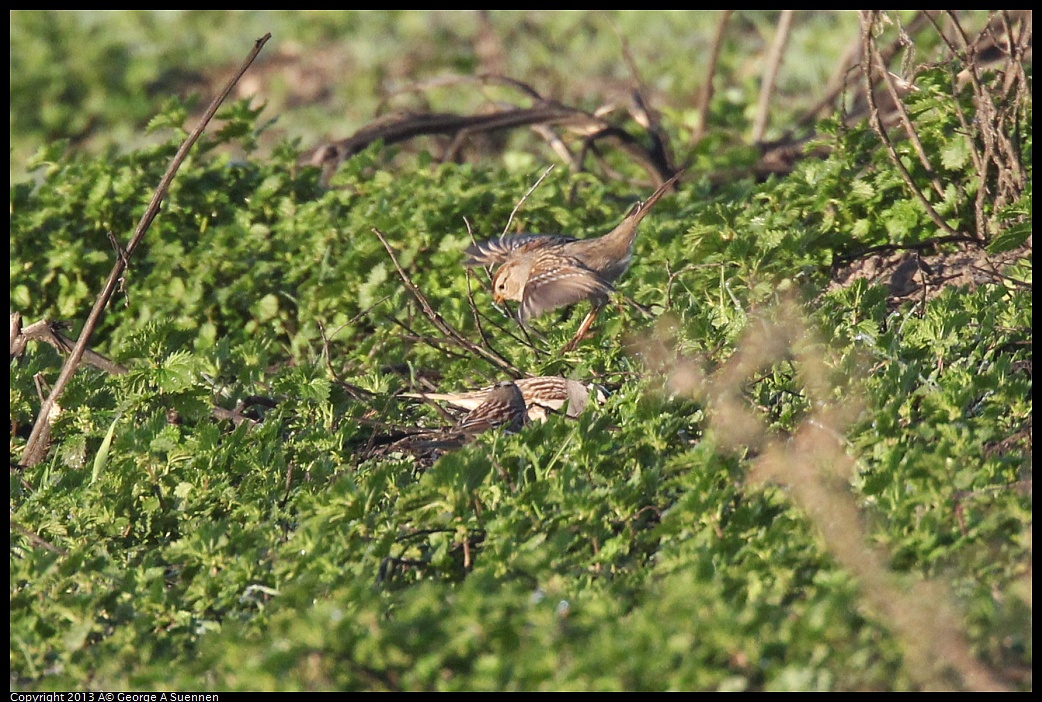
column 508, row 283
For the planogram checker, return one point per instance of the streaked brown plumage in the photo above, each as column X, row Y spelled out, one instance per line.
column 547, row 271
column 542, row 395
column 503, row 406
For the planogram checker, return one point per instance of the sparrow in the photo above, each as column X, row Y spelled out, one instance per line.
column 547, row 271
column 542, row 395
column 503, row 406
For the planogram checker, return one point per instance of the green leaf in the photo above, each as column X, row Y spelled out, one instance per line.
column 102, row 456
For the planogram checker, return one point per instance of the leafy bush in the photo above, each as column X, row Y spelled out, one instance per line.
column 161, row 545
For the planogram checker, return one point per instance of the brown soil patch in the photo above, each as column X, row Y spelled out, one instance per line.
column 910, row 275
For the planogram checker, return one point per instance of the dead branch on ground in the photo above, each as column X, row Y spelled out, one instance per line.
column 545, row 115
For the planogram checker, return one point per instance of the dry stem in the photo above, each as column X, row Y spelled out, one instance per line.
column 36, row 447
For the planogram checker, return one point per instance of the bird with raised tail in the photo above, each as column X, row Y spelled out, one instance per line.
column 546, row 271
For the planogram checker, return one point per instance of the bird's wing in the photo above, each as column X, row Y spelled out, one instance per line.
column 503, row 405
column 498, row 250
column 557, row 281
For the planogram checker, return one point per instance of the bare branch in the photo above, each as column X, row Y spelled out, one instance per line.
column 35, row 448
column 770, row 73
column 403, row 126
column 906, row 121
column 868, row 19
column 706, row 94
column 47, row 332
column 437, row 320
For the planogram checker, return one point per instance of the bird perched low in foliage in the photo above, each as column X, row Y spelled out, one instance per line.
column 546, row 271
column 502, row 406
column 542, row 395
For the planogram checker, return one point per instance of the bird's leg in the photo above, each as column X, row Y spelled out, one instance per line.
column 584, row 329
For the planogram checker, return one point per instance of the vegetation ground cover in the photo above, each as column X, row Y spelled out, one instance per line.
column 813, row 467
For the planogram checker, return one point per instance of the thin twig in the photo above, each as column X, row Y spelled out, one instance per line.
column 527, row 340
column 326, row 340
column 998, row 117
column 706, row 94
column 524, row 197
column 906, row 121
column 982, row 121
column 997, row 114
column 868, row 19
column 770, row 73
column 47, row 331
column 474, row 241
column 964, row 124
column 35, row 449
column 477, row 317
column 1014, row 68
column 442, row 345
column 436, row 319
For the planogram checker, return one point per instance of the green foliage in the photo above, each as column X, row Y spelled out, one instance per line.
column 95, row 76
column 158, row 546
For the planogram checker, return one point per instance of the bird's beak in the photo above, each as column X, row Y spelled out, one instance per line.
column 499, row 299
